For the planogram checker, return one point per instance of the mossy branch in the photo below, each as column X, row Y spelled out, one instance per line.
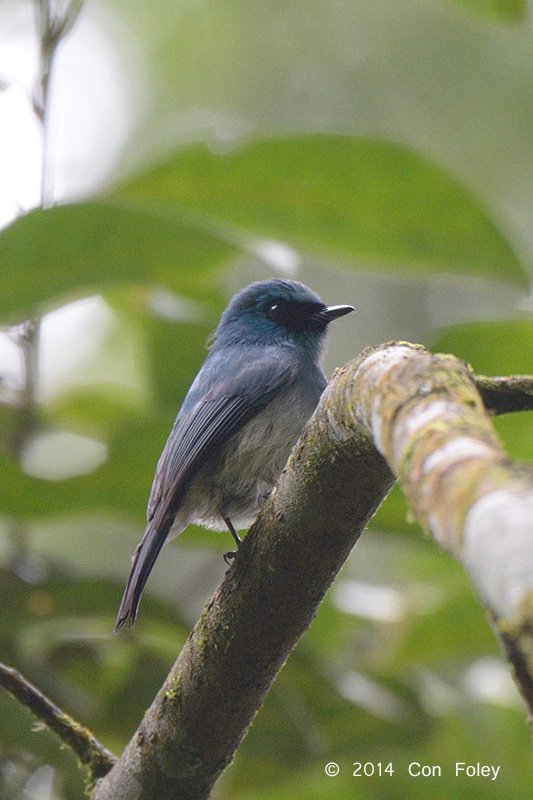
column 335, row 479
column 91, row 754
column 398, row 404
column 427, row 417
column 332, row 485
column 503, row 395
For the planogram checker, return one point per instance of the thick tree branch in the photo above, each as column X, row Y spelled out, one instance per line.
column 334, row 482
column 428, row 420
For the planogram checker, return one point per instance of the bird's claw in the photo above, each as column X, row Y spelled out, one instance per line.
column 229, row 558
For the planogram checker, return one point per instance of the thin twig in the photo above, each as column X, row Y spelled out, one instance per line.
column 26, row 336
column 93, row 755
column 53, row 24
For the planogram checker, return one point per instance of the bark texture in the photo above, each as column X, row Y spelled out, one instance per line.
column 429, row 421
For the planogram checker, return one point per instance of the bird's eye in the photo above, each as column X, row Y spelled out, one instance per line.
column 273, row 312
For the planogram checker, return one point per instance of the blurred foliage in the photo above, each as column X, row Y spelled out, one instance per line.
column 503, row 10
column 360, row 200
column 381, row 152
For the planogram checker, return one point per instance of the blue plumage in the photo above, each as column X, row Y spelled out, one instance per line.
column 240, row 419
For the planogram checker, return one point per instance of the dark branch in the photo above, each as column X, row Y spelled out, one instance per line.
column 94, row 756
column 333, row 484
column 507, row 394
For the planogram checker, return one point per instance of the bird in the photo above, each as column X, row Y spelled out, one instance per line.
column 259, row 384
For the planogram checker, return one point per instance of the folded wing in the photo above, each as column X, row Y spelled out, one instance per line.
column 209, row 417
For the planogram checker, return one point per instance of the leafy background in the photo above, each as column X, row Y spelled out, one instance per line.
column 379, row 150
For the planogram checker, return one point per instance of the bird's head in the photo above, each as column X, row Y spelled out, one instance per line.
column 277, row 311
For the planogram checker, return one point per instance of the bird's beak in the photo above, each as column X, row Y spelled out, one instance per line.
column 333, row 312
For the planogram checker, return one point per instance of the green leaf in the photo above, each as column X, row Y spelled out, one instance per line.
column 373, row 203
column 87, row 247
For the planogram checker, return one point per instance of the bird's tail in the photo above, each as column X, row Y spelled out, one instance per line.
column 143, row 560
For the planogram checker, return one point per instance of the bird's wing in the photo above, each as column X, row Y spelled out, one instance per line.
column 198, row 433
column 210, row 423
column 205, row 429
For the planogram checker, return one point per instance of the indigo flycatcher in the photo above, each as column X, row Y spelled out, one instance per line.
column 256, row 389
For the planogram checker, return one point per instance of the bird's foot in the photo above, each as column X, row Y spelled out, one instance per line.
column 229, row 558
